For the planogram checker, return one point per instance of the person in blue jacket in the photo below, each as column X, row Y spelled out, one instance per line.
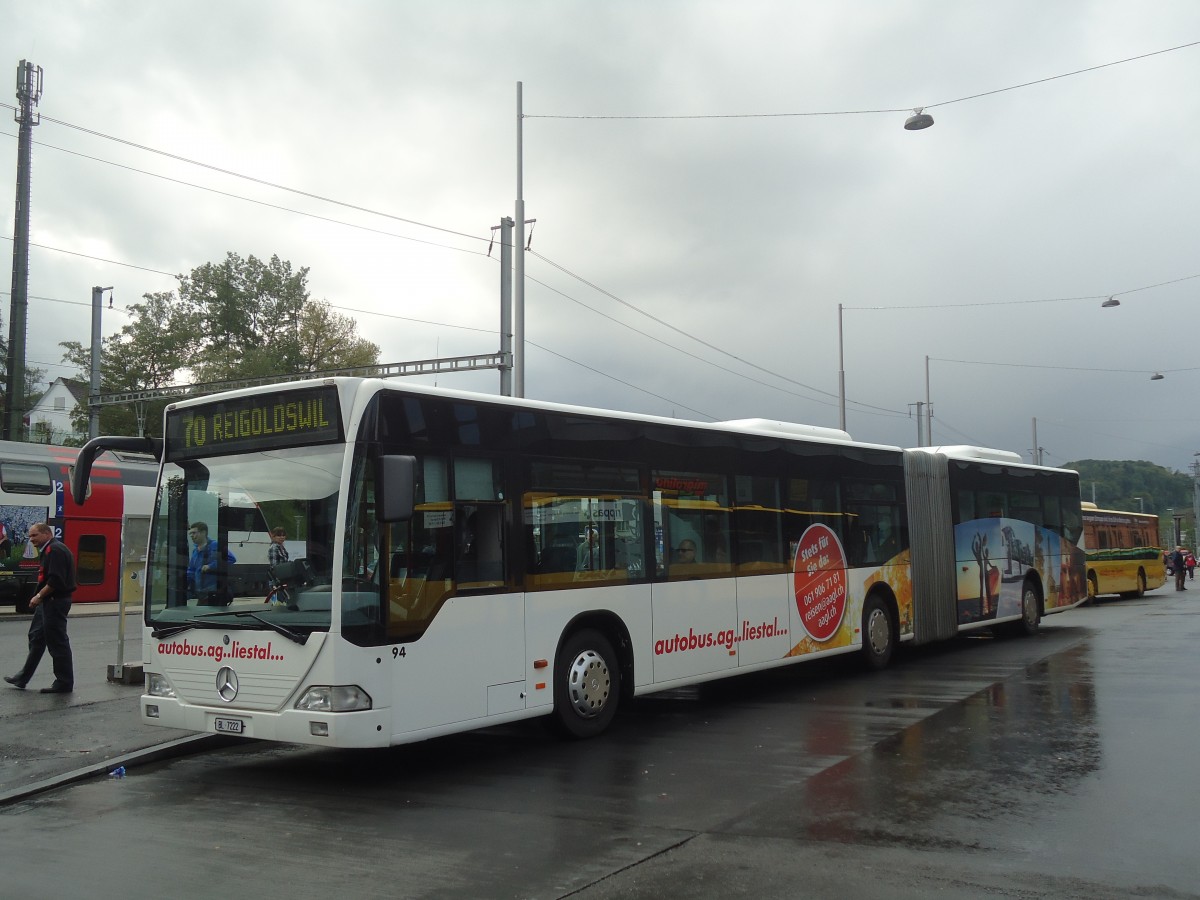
column 204, row 563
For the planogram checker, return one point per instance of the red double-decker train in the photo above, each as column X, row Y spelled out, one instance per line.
column 107, row 534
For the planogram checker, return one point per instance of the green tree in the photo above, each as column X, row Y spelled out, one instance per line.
column 247, row 317
column 329, row 340
column 236, row 319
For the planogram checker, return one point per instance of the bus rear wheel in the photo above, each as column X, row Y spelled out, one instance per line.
column 587, row 684
column 878, row 634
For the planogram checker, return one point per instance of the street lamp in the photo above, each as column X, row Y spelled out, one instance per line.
column 1110, row 302
column 918, row 120
column 1141, row 505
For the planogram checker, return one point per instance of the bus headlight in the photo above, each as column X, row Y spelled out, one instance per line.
column 334, row 698
column 158, row 686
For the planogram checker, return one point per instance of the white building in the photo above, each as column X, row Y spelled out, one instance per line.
column 50, row 417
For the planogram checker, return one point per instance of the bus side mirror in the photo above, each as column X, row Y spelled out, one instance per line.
column 395, row 488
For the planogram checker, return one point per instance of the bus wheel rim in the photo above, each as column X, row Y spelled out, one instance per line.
column 878, row 630
column 1029, row 607
column 588, row 684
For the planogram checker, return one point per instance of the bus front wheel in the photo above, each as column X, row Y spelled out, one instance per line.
column 587, row 684
column 878, row 634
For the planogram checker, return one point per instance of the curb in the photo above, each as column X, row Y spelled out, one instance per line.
column 169, row 750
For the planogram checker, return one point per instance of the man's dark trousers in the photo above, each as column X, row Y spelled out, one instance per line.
column 48, row 632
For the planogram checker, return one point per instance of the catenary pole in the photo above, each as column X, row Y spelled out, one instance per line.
column 29, row 90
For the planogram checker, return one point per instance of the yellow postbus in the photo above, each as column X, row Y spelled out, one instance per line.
column 1123, row 556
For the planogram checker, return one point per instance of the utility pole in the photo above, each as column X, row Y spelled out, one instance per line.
column 920, row 422
column 506, row 305
column 93, row 406
column 928, row 408
column 29, row 91
column 518, row 363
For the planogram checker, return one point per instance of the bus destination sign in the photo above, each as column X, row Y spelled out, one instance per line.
column 262, row 422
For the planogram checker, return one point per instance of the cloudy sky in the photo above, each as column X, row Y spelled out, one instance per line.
column 710, row 180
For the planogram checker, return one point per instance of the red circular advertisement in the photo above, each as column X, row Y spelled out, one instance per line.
column 820, row 578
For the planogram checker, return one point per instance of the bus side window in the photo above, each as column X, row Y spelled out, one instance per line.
column 420, row 554
column 1052, row 514
column 582, row 524
column 573, row 540
column 812, row 501
column 691, row 511
column 1072, row 520
column 759, row 521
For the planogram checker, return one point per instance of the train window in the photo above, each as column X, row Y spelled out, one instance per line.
column 89, row 561
column 25, row 478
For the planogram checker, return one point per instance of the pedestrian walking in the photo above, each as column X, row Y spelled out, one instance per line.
column 1179, row 568
column 50, row 604
column 1190, row 561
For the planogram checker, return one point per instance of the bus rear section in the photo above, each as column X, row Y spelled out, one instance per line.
column 1011, row 553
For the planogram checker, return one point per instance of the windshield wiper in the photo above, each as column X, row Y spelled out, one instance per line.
column 286, row 632
column 168, row 630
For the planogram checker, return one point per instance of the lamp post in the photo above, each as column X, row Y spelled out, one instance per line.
column 1196, row 496
column 841, row 374
column 1141, row 505
column 1177, row 532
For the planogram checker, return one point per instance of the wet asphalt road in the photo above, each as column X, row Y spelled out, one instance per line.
column 1056, row 766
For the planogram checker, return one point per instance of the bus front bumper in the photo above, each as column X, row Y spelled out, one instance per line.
column 368, row 728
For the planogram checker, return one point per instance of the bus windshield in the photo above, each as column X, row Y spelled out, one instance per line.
column 245, row 541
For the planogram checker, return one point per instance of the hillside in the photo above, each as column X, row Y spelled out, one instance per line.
column 1115, row 484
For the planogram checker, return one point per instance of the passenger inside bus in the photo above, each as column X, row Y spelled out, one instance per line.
column 587, row 555
column 204, row 572
column 686, row 551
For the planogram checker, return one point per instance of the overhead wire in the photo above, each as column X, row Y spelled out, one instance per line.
column 612, row 377
column 230, row 194
column 701, row 341
column 231, row 173
column 866, row 112
column 701, row 359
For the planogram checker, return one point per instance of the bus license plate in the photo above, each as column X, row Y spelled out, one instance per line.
column 228, row 726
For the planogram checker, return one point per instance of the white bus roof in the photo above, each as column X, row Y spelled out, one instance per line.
column 983, row 454
column 347, row 384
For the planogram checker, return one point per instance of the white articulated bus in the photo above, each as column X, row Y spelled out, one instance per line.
column 461, row 560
